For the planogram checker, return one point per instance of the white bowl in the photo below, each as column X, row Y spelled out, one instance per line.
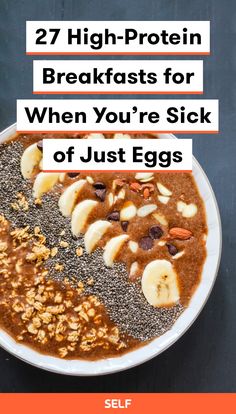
column 154, row 348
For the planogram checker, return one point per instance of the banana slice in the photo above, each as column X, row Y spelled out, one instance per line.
column 30, row 159
column 80, row 215
column 112, row 248
column 68, row 198
column 44, row 183
column 159, row 283
column 94, row 233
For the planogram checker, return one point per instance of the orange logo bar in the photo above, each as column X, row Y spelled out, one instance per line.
column 116, row 403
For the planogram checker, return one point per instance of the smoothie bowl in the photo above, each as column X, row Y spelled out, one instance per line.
column 102, row 271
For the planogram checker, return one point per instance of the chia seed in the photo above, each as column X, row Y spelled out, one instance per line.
column 123, row 300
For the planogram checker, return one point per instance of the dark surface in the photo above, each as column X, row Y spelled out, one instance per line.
column 204, row 359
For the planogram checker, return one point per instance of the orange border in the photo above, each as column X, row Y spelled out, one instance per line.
column 114, row 132
column 116, row 93
column 125, row 171
column 120, row 53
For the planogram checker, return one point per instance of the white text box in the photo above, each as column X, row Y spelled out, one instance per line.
column 119, row 115
column 117, row 155
column 115, row 76
column 118, row 37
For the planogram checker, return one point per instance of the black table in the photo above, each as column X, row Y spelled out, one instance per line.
column 204, row 359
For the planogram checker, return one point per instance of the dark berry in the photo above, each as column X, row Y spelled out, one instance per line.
column 114, row 216
column 146, row 243
column 99, row 186
column 40, row 145
column 172, row 249
column 155, row 232
column 101, row 194
column 124, row 225
column 73, row 174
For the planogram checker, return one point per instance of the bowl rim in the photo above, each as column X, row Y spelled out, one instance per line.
column 111, row 365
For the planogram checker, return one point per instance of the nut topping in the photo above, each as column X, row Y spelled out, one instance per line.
column 136, row 187
column 180, row 233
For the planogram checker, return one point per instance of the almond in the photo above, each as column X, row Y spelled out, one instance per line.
column 133, row 268
column 178, row 255
column 121, row 194
column 146, row 210
column 134, row 271
column 160, row 218
column 135, row 187
column 120, row 182
column 133, row 246
column 163, row 190
column 128, row 211
column 180, row 233
column 149, row 186
column 163, row 199
column 144, row 177
column 110, row 199
column 187, row 210
column 90, row 179
column 146, row 193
